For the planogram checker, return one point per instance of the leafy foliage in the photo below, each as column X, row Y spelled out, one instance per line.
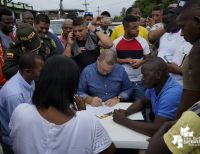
column 122, row 15
column 145, row 6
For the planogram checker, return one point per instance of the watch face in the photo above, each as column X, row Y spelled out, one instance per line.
column 120, row 98
column 98, row 29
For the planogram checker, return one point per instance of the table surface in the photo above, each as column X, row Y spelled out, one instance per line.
column 124, row 137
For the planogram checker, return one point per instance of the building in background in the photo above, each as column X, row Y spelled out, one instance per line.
column 66, row 13
column 17, row 8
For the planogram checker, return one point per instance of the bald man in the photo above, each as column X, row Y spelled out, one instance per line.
column 163, row 93
column 66, row 28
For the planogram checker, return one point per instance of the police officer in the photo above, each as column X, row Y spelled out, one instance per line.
column 41, row 25
column 47, row 46
column 27, row 41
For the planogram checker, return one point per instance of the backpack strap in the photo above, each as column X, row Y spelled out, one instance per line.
column 110, row 31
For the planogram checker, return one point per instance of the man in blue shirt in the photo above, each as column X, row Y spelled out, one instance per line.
column 104, row 81
column 19, row 89
column 163, row 93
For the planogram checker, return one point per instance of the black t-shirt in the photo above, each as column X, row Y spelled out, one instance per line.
column 81, row 45
column 86, row 57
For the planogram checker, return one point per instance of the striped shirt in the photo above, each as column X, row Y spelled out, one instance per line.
column 134, row 48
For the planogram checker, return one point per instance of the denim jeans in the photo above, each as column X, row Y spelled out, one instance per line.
column 138, row 90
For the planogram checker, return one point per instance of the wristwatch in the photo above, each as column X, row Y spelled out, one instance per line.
column 120, row 98
column 97, row 30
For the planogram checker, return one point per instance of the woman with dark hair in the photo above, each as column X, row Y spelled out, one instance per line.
column 50, row 125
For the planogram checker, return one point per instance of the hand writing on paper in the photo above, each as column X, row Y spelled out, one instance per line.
column 96, row 101
column 112, row 102
column 119, row 116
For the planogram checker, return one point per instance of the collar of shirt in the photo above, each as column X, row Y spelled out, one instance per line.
column 25, row 84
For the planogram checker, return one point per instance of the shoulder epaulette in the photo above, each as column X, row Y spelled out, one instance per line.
column 10, row 55
column 53, row 43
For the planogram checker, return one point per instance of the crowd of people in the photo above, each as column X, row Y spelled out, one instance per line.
column 151, row 62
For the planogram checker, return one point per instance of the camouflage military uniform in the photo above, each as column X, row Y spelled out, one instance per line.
column 47, row 49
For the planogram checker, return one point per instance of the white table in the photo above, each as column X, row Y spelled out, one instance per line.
column 124, row 137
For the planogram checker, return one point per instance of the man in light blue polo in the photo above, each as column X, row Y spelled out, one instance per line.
column 163, row 94
column 19, row 89
column 104, row 81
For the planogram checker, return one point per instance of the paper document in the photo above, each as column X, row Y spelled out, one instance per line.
column 100, row 111
column 105, row 111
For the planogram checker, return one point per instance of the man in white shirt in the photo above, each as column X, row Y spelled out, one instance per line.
column 173, row 47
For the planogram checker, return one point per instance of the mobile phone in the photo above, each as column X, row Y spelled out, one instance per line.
column 72, row 36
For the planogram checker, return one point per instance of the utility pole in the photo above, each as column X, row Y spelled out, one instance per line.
column 98, row 10
column 61, row 9
column 86, row 4
column 5, row 3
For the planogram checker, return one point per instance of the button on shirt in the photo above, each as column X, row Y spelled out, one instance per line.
column 166, row 102
column 116, row 83
column 13, row 93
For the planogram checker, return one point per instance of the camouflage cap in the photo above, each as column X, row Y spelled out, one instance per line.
column 27, row 36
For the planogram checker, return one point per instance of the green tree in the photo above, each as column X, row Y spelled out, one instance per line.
column 117, row 19
column 123, row 12
column 122, row 15
column 147, row 5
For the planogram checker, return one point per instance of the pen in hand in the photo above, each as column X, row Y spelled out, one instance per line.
column 75, row 106
column 105, row 115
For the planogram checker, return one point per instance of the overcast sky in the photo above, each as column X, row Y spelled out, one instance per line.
column 113, row 6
